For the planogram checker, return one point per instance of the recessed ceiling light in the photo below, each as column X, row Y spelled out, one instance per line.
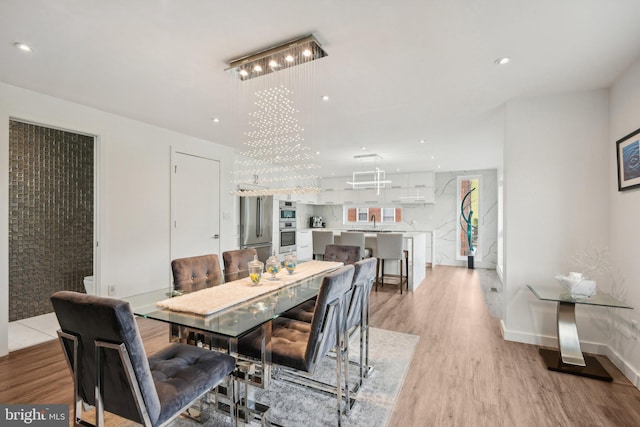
column 398, row 170
column 23, row 47
column 363, row 147
column 317, row 152
column 433, row 157
column 215, row 120
column 325, row 97
column 503, row 61
column 422, row 141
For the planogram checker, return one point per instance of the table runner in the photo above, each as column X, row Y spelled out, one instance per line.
column 211, row 300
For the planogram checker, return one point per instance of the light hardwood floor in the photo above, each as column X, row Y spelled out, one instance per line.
column 463, row 373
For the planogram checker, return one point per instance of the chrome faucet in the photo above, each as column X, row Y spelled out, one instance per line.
column 373, row 218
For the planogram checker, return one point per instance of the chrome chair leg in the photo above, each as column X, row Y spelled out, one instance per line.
column 338, row 367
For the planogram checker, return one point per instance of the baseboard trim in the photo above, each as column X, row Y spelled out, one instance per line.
column 586, row 346
column 628, row 371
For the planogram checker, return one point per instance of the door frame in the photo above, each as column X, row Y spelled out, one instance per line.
column 194, row 153
column 99, row 159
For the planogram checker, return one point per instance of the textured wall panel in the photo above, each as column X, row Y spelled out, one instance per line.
column 50, row 215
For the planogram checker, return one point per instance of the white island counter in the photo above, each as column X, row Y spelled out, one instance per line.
column 416, row 243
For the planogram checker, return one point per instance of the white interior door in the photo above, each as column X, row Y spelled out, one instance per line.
column 195, row 200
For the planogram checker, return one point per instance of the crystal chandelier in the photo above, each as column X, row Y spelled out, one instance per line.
column 275, row 95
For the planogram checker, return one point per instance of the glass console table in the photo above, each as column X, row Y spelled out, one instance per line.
column 569, row 358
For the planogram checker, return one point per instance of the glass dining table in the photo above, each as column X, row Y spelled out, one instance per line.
column 242, row 315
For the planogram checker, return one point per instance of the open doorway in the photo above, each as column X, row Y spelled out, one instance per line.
column 51, row 224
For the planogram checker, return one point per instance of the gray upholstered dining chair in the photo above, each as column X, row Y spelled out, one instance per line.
column 192, row 274
column 358, row 309
column 342, row 253
column 321, row 238
column 236, row 263
column 110, row 369
column 297, row 346
column 196, row 272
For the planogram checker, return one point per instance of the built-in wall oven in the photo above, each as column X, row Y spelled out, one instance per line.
column 287, row 211
column 287, row 226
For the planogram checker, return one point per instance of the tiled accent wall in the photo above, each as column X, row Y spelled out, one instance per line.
column 50, row 215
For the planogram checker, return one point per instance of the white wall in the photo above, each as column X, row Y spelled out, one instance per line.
column 556, row 193
column 623, row 226
column 133, row 190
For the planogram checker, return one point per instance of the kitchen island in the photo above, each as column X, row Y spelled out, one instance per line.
column 413, row 241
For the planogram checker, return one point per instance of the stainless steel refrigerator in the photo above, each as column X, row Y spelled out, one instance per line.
column 256, row 223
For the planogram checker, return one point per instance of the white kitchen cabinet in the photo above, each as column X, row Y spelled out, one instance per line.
column 304, row 245
column 332, row 191
column 420, row 179
column 408, row 188
column 393, row 194
column 419, row 189
column 398, row 180
column 330, row 196
column 309, row 198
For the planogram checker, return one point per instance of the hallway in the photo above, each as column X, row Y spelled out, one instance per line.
column 464, row 374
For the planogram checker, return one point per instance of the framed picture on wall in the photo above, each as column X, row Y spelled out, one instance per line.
column 628, row 151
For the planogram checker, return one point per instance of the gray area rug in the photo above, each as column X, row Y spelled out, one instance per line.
column 390, row 355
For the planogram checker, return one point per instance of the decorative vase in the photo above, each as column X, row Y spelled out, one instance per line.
column 290, row 263
column 273, row 266
column 256, row 268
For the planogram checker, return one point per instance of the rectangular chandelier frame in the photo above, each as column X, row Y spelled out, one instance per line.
column 375, row 178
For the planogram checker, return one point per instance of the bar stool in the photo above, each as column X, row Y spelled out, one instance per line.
column 389, row 247
column 321, row 238
column 353, row 238
column 371, row 246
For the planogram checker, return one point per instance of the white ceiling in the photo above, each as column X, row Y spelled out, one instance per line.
column 397, row 71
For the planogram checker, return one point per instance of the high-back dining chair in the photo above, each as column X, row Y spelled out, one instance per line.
column 104, row 351
column 321, row 238
column 236, row 263
column 358, row 314
column 298, row 346
column 358, row 308
column 342, row 253
column 196, row 272
column 192, row 274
